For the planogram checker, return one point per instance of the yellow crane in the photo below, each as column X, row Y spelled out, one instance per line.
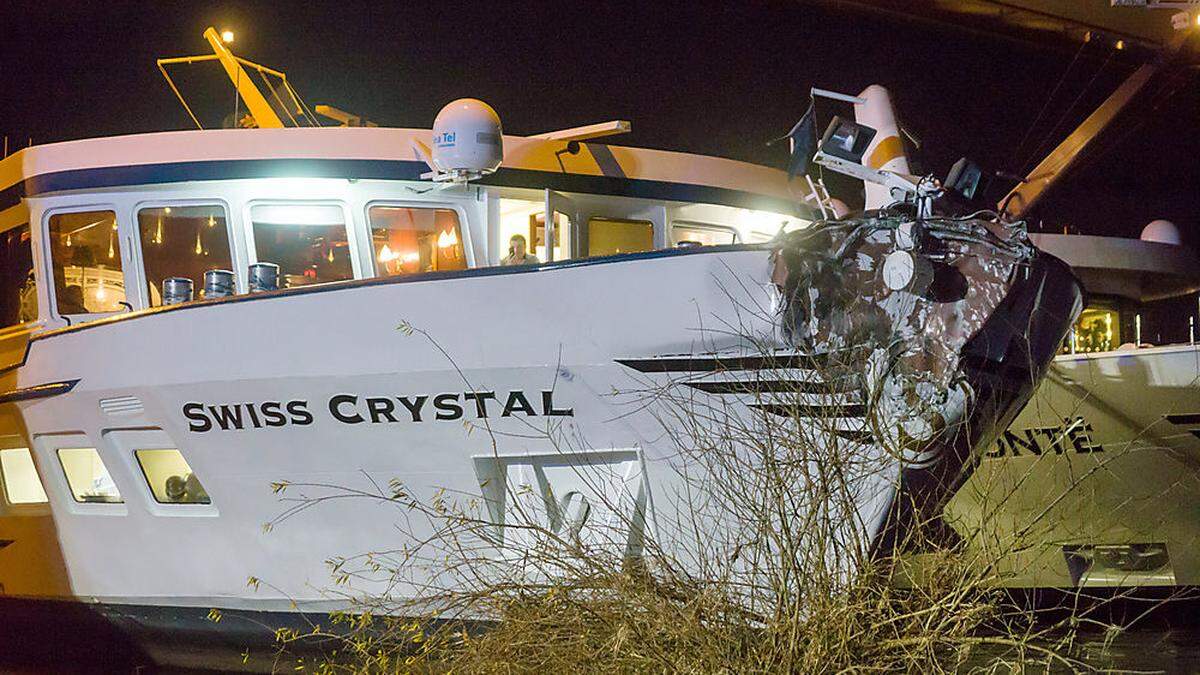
column 263, row 113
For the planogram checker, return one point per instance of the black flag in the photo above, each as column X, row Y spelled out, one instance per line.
column 802, row 140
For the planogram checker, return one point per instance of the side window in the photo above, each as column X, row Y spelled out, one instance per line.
column 18, row 294
column 1098, row 329
column 170, row 478
column 524, row 220
column 610, row 236
column 86, row 257
column 408, row 240
column 182, row 241
column 87, row 476
column 701, row 234
column 20, row 477
column 307, row 241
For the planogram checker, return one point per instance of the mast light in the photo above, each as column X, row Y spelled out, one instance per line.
column 227, row 36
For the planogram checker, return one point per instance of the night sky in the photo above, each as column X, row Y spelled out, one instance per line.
column 712, row 79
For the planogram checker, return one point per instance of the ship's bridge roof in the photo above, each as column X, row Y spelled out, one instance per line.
column 378, row 152
column 1130, row 268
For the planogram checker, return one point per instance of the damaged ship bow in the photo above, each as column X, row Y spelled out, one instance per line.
column 947, row 325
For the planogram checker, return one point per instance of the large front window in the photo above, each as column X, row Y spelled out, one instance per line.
column 182, row 241
column 408, row 240
column 18, row 294
column 86, row 253
column 308, row 242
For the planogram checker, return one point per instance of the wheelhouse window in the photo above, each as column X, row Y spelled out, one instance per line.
column 170, row 478
column 408, row 240
column 610, row 236
column 1098, row 329
column 182, row 241
column 86, row 255
column 701, row 234
column 308, row 242
column 20, row 477
column 87, row 476
column 527, row 218
column 18, row 293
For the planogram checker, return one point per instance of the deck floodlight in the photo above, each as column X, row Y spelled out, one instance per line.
column 964, row 178
column 842, row 149
column 227, row 36
column 847, row 140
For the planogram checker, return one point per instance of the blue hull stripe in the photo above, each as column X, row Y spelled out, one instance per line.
column 177, row 172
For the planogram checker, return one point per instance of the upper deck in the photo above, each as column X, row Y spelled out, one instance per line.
column 383, row 153
column 1139, row 292
column 92, row 228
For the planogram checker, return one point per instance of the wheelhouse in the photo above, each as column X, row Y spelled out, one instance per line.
column 1140, row 293
column 86, row 239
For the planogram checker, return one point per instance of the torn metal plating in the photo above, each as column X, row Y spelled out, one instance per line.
column 899, row 299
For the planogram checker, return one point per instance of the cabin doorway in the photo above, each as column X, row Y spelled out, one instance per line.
column 557, row 241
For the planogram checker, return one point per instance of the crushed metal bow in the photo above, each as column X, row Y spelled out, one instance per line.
column 939, row 319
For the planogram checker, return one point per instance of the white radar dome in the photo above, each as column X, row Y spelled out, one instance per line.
column 467, row 139
column 1163, row 232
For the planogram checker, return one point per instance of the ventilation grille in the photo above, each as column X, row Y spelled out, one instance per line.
column 122, row 405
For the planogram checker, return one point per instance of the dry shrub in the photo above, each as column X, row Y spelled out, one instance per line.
column 760, row 566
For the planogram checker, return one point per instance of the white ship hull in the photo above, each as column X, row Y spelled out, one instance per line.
column 1096, row 482
column 395, row 383
column 358, row 401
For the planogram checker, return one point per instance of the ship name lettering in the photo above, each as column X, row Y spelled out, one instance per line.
column 353, row 409
column 1072, row 436
column 237, row 416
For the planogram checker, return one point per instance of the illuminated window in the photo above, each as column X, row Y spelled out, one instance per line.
column 411, row 240
column 87, row 262
column 87, row 477
column 528, row 219
column 18, row 294
column 760, row 226
column 563, row 236
column 20, row 477
column 610, row 236
column 702, row 234
column 182, row 241
column 1098, row 329
column 307, row 241
column 170, row 478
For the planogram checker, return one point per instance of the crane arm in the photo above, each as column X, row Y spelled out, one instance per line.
column 264, row 115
